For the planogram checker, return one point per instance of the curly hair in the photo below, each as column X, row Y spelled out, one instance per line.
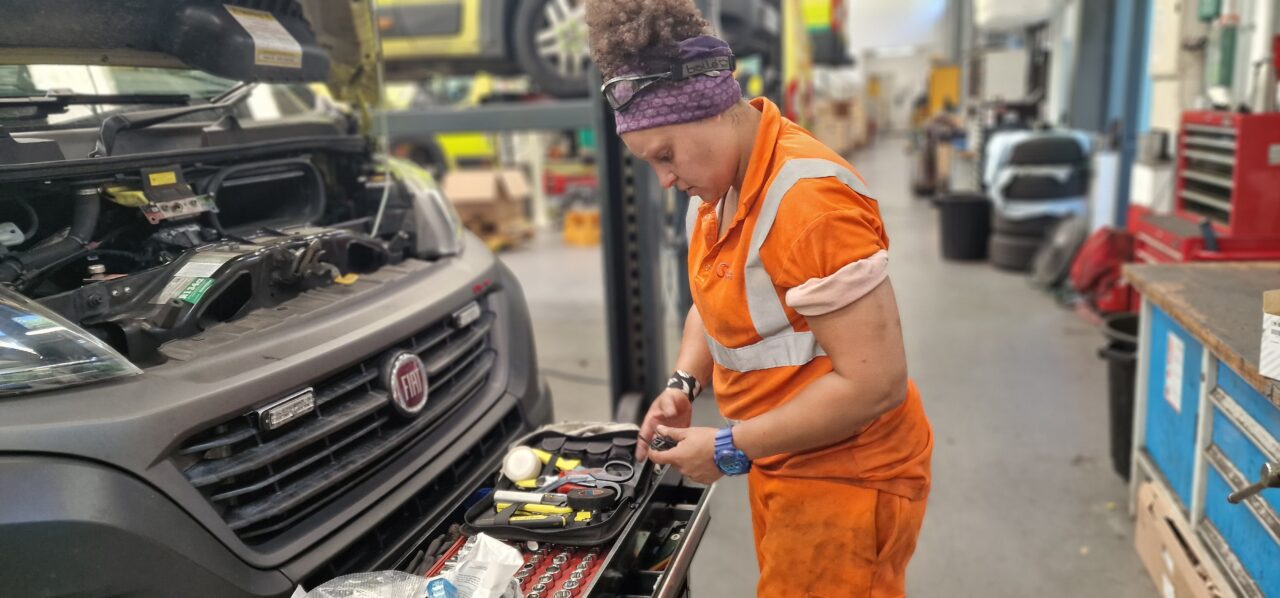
column 640, row 33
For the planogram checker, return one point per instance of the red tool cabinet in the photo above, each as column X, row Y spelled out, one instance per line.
column 1228, row 174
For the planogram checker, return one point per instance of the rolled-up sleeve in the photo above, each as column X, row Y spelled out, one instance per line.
column 839, row 258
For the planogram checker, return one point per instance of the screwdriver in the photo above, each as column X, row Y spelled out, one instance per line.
column 528, row 521
column 582, row 499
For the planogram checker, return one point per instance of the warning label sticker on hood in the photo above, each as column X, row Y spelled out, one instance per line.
column 273, row 45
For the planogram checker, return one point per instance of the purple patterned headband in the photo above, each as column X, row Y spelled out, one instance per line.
column 692, row 99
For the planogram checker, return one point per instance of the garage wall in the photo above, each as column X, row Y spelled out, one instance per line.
column 905, row 78
column 897, row 23
column 1063, row 35
column 996, row 15
column 897, row 40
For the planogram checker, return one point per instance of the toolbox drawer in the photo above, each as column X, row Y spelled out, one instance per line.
column 1173, row 399
column 1241, row 441
column 1248, row 541
column 1242, row 450
column 1249, row 399
column 669, row 505
column 676, row 506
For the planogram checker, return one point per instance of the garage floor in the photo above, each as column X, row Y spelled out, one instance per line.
column 1024, row 501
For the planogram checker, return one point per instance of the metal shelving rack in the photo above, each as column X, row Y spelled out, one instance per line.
column 634, row 219
column 498, row 117
column 632, row 229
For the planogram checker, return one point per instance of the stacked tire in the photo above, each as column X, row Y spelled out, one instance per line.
column 1046, row 175
column 1014, row 243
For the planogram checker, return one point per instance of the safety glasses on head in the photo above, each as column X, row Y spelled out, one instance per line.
column 621, row 91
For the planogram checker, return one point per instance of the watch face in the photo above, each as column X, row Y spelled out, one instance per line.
column 732, row 462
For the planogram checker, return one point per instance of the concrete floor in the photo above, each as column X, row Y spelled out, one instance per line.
column 1024, row 501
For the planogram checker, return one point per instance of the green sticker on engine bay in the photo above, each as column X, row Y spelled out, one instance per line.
column 195, row 290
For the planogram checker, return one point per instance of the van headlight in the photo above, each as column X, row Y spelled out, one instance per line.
column 39, row 350
column 435, row 221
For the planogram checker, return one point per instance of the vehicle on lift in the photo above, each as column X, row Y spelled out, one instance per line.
column 545, row 39
column 240, row 350
column 824, row 20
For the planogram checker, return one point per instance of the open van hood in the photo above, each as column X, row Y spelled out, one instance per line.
column 315, row 41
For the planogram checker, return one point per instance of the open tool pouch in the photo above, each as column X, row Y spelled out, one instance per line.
column 578, row 453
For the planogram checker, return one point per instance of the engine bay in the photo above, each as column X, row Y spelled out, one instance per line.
column 142, row 258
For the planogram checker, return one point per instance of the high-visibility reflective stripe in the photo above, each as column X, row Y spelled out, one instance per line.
column 781, row 345
column 763, row 303
column 780, row 350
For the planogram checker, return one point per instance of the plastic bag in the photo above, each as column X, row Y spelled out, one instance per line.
column 487, row 570
column 378, row 584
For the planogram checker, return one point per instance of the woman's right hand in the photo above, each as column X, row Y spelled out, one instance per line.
column 673, row 409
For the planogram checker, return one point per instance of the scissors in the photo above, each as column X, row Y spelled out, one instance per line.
column 610, row 476
column 613, row 471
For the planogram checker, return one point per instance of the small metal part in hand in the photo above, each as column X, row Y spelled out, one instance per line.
column 662, row 443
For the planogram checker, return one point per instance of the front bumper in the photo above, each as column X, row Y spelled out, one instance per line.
column 91, row 505
column 77, row 528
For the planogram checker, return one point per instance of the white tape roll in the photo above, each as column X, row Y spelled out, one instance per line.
column 521, row 464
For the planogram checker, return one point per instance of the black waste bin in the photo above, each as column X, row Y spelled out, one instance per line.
column 1120, row 353
column 965, row 223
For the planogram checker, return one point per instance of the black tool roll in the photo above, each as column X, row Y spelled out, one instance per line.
column 597, row 464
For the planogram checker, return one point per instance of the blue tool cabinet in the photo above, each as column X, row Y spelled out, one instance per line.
column 1205, row 419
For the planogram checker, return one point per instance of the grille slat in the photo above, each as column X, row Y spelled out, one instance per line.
column 353, row 461
column 392, row 541
column 225, row 440
column 313, row 459
column 462, row 364
column 266, row 483
column 441, row 359
column 347, row 385
column 299, row 437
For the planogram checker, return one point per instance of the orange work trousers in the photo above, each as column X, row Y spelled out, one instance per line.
column 827, row 538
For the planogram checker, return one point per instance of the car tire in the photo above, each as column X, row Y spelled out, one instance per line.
column 1053, row 261
column 1015, row 254
column 1037, row 228
column 546, row 69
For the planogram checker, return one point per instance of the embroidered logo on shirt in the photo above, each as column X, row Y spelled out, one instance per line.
column 723, row 271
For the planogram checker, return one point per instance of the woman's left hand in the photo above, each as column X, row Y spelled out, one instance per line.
column 694, row 454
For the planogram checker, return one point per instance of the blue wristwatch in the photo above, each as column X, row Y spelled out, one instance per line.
column 729, row 459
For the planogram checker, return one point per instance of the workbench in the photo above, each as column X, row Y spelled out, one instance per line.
column 1205, row 418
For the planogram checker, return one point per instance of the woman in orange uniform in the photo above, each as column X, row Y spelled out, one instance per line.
column 794, row 323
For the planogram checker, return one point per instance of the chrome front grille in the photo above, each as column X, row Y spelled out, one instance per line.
column 264, row 482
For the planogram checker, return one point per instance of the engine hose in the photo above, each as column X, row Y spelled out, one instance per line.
column 34, row 226
column 122, row 254
column 83, row 222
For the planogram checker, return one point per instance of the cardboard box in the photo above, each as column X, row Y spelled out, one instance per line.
column 1269, row 361
column 858, row 116
column 490, row 201
column 942, row 161
column 1175, row 559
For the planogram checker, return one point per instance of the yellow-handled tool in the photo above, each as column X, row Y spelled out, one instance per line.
column 529, row 521
column 536, row 508
column 562, row 464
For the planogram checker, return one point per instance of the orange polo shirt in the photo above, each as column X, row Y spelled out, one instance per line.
column 823, row 230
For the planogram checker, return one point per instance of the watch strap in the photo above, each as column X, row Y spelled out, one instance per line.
column 726, row 450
